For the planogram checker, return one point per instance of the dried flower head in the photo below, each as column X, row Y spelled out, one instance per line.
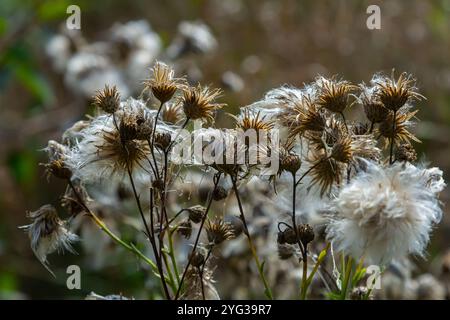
column 163, row 140
column 325, row 172
column 334, row 95
column 218, row 231
column 185, row 228
column 56, row 165
column 171, row 113
column 106, row 150
column 196, row 213
column 48, row 233
column 107, row 99
column 405, row 152
column 394, row 94
column 253, row 120
column 399, row 131
column 342, row 150
column 163, row 83
column 305, row 116
column 290, row 162
column 198, row 102
column 219, row 193
column 384, row 213
column 306, row 234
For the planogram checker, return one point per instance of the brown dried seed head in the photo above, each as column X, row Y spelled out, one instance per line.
column 171, row 113
column 107, row 99
column 219, row 193
column 218, row 231
column 375, row 111
column 405, row 152
column 290, row 162
column 185, row 229
column 334, row 95
column 342, row 150
column 198, row 103
column 253, row 120
column 394, row 94
column 163, row 84
column 163, row 140
column 305, row 233
column 144, row 127
column 290, row 236
column 325, row 172
column 399, row 132
column 126, row 154
column 196, row 213
column 59, row 169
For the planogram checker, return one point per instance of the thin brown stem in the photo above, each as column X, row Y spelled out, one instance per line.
column 391, row 153
column 268, row 291
column 197, row 238
column 150, row 234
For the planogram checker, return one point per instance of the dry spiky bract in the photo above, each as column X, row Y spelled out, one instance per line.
column 254, row 121
column 394, row 94
column 373, row 108
column 198, row 102
column 334, row 95
column 107, row 99
column 171, row 113
column 163, row 83
column 218, row 231
column 399, row 131
column 325, row 172
column 123, row 154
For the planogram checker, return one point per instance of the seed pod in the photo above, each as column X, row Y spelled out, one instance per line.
column 196, row 213
column 405, row 152
column 219, row 193
column 289, row 236
column 290, row 163
column 185, row 228
column 107, row 99
column 305, row 233
column 162, row 140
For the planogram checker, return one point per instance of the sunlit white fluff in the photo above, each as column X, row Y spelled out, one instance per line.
column 385, row 213
column 48, row 233
column 92, row 159
column 193, row 36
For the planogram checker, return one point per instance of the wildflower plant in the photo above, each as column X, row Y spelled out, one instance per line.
column 341, row 194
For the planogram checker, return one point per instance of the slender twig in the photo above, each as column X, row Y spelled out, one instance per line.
column 371, row 126
column 345, row 121
column 268, row 291
column 391, row 153
column 197, row 239
column 150, row 234
column 105, row 229
column 202, row 269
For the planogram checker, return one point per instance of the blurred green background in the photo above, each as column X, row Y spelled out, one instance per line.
column 283, row 41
